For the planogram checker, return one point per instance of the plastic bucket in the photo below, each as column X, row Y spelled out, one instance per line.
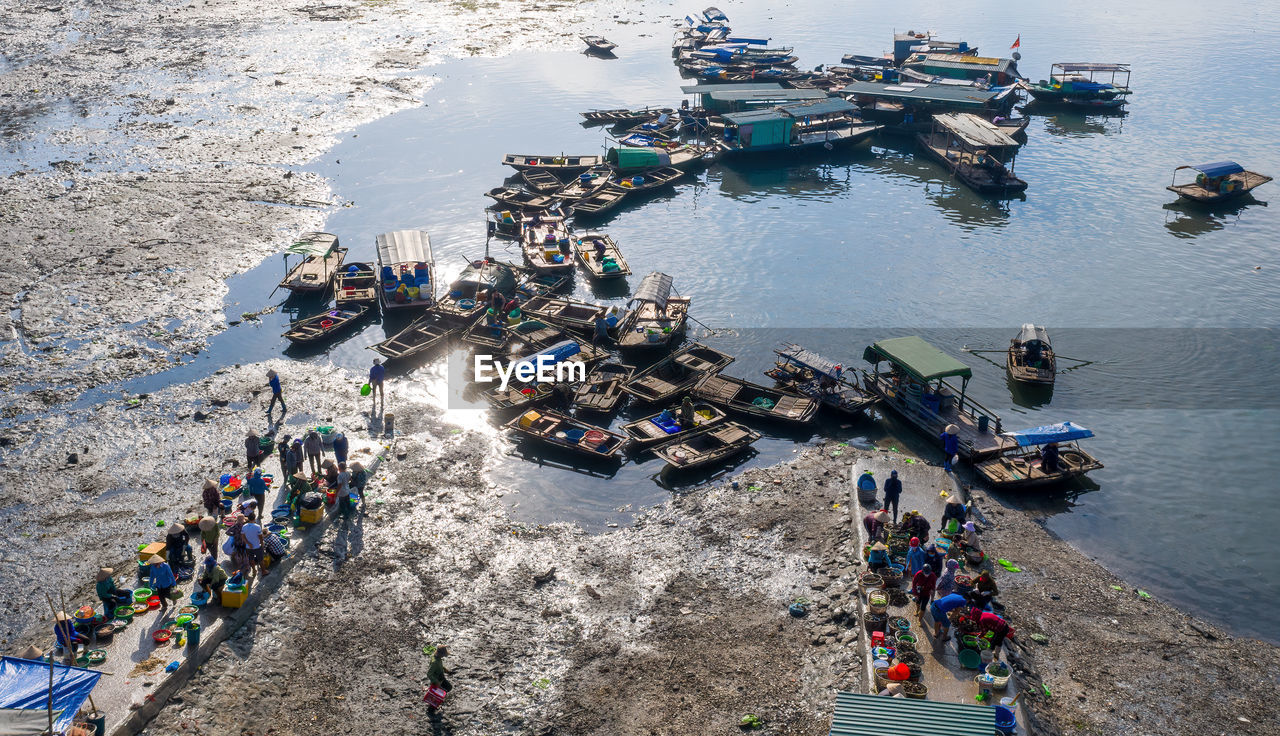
column 1006, row 722
column 141, row 595
column 193, row 635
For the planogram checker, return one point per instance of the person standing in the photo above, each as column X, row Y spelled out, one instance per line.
column 922, row 587
column 315, row 450
column 686, row 412
column 252, row 534
column 161, row 579
column 273, row 381
column 939, row 610
column 209, row 537
column 995, row 629
column 892, row 492
column 296, row 456
column 377, row 375
column 67, row 637
column 947, row 580
column 256, row 488
column 340, row 448
column 915, row 558
column 933, row 559
column 950, row 445
column 359, row 479
column 437, row 673
column 601, row 334
column 282, row 448
column 1049, row 458
column 252, row 449
column 211, row 498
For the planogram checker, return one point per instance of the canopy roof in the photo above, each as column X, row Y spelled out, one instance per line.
column 696, row 89
column 656, row 288
column 752, row 41
column 404, row 246
column 857, row 714
column 714, row 13
column 808, row 359
column 24, row 685
column 313, row 244
column 1061, row 432
column 960, row 61
column 827, row 106
column 1091, row 67
column 753, row 116
column 960, row 95
column 1214, row 170
column 732, row 93
column 916, row 357
column 1033, row 333
column 629, row 157
column 491, row 275
column 974, row 131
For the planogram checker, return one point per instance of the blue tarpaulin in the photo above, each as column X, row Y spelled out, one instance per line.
column 24, row 685
column 1221, row 168
column 1063, row 432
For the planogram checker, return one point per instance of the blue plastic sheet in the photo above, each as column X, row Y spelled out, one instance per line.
column 1063, row 432
column 24, row 684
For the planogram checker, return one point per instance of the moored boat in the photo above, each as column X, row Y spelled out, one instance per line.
column 1030, row 358
column 701, row 448
column 602, row 391
column 1076, row 85
column 599, row 202
column 629, row 159
column 324, row 326
column 569, row 313
column 406, row 270
column 818, row 125
column 745, row 397
column 1216, row 182
column 356, row 283
column 541, row 181
column 971, row 148
column 568, row 433
column 520, row 199
column 561, row 165
column 649, row 180
column 599, row 44
column 624, row 116
column 585, row 184
column 672, row 376
column 654, row 318
column 546, row 244
column 669, row 425
column 429, row 331
column 321, row 259
column 805, row 372
column 600, row 256
column 1038, row 457
column 472, row 292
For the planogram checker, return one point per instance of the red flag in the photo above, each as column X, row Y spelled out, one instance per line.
column 1017, row 42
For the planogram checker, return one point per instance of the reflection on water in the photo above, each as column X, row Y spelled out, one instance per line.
column 1066, row 123
column 1187, row 220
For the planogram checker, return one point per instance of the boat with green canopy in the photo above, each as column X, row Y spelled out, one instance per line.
column 627, row 159
column 915, row 387
column 321, row 259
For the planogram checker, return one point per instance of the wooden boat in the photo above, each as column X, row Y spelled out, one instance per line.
column 321, row 259
column 745, row 397
column 599, row 44
column 806, row 373
column 624, row 116
column 1031, row 358
column 628, row 159
column 587, row 183
column 971, row 149
column 406, row 270
column 654, row 318
column 1076, row 85
column 505, row 223
column 531, row 338
column 817, row 125
column 600, row 202
column 561, row 165
column 323, row 326
column 666, row 380
column 541, row 181
column 647, row 181
column 520, row 199
column 915, row 388
column 665, row 426
column 356, row 283
column 1022, row 466
column 547, row 245
column 1216, row 182
column 428, row 331
column 566, row 432
column 469, row 295
column 519, row 395
column 492, row 335
column 568, row 313
column 536, row 284
column 703, row 448
column 602, row 391
column 600, row 256
column 663, row 127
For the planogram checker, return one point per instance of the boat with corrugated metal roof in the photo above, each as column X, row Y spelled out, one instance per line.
column 975, row 151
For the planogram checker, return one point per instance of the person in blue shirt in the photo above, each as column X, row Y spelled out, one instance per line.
column 340, row 448
column 161, row 579
column 950, row 445
column 66, row 635
column 256, row 488
column 892, row 492
column 878, row 557
column 915, row 558
column 378, row 374
column 939, row 610
column 273, row 380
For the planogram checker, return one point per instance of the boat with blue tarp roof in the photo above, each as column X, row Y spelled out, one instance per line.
column 1216, row 182
column 1039, row 456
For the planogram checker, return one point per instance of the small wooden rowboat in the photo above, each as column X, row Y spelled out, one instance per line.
column 601, row 257
column 704, row 447
column 321, row 259
column 1025, row 460
column 559, row 165
column 519, row 395
column 323, row 326
column 667, row 379
column 624, row 116
column 655, row 319
column 599, row 44
column 423, row 334
column 601, row 201
column 602, row 391
column 563, row 431
column 750, row 398
column 541, row 181
column 649, row 180
column 585, row 184
column 568, row 313
column 1030, row 358
column 520, row 199
column 356, row 284
column 547, row 245
column 666, row 425
column 807, row 373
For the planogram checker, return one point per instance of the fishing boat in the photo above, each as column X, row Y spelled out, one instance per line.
column 654, row 318
column 585, row 184
column 972, row 149
column 670, row 377
column 471, row 293
column 624, row 116
column 541, row 181
column 602, row 391
column 1022, row 464
column 324, row 326
column 1077, row 85
column 494, row 334
column 705, row 447
column 1031, row 358
column 667, row 425
column 600, row 256
column 356, row 283
column 505, row 223
column 406, row 270
column 561, row 165
column 535, row 284
column 546, row 244
column 568, row 433
column 807, row 373
column 643, row 182
column 745, row 397
column 425, row 333
column 601, row 201
column 819, row 125
column 569, row 313
column 530, row 339
column 1216, row 182
column 665, row 126
column 599, row 44
column 630, row 159
column 321, row 259
column 995, row 71
column 915, row 387
column 521, row 199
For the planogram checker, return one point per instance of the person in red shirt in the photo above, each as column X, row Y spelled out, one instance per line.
column 922, row 586
column 998, row 628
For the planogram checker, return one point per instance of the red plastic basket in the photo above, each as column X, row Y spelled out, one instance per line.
column 434, row 696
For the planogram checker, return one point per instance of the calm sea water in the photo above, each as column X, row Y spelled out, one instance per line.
column 834, row 253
